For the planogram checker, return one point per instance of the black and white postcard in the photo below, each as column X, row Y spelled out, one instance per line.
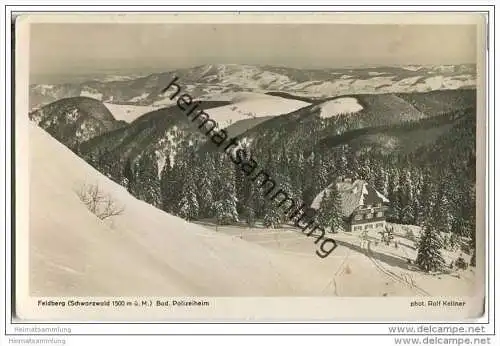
column 228, row 167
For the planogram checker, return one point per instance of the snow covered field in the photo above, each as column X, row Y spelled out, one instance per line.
column 342, row 105
column 92, row 93
column 245, row 105
column 362, row 268
column 129, row 113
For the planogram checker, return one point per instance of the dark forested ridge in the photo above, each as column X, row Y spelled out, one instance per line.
column 441, row 101
column 75, row 120
column 135, row 155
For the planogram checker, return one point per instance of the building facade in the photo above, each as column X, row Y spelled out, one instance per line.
column 367, row 217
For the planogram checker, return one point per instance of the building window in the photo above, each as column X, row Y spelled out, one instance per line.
column 380, row 214
column 357, row 217
column 369, row 216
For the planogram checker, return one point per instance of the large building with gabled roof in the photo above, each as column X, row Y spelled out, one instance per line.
column 363, row 207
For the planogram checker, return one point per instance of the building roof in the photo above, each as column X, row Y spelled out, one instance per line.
column 353, row 195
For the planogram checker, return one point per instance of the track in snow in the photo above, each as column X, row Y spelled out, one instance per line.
column 391, row 275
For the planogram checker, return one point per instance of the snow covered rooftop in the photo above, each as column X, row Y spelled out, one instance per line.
column 353, row 195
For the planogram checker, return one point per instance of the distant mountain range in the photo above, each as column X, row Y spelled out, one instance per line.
column 221, row 81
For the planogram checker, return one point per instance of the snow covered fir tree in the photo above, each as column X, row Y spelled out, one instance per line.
column 430, row 257
column 330, row 210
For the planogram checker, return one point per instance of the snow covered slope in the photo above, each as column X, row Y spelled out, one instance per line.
column 244, row 105
column 247, row 105
column 144, row 251
column 129, row 113
column 341, row 105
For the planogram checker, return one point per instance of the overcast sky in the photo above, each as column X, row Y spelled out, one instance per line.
column 67, row 48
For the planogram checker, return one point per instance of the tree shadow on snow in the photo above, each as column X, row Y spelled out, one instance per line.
column 388, row 259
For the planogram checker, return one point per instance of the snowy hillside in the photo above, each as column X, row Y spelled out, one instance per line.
column 253, row 105
column 143, row 251
column 244, row 105
column 129, row 113
column 342, row 105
